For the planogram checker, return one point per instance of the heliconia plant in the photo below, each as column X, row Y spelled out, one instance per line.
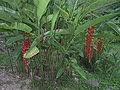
column 53, row 38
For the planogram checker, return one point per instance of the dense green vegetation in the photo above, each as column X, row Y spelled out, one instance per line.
column 62, row 44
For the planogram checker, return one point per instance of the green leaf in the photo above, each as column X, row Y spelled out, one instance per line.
column 81, row 53
column 4, row 26
column 31, row 24
column 64, row 13
column 31, row 53
column 8, row 15
column 17, row 52
column 115, row 27
column 99, row 4
column 14, row 39
column 78, row 68
column 35, row 42
column 60, row 72
column 61, row 32
column 94, row 6
column 41, row 7
column 22, row 27
column 5, row 30
column 29, row 11
column 57, row 32
column 81, row 28
column 54, row 20
column 18, row 26
column 6, row 36
column 36, row 2
column 49, row 17
column 14, row 3
column 58, row 45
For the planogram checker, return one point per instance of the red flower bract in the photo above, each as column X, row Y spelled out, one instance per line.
column 26, row 46
column 89, row 48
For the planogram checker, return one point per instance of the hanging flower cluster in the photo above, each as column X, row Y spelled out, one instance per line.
column 99, row 45
column 89, row 47
column 26, row 46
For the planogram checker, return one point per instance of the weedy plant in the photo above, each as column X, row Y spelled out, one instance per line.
column 48, row 39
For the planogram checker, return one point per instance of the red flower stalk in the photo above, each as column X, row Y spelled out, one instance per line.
column 26, row 64
column 26, row 46
column 89, row 47
column 99, row 45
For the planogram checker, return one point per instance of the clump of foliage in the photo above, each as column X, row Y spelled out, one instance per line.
column 48, row 37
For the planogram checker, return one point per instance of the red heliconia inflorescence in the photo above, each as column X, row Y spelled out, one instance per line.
column 25, row 47
column 89, row 47
column 99, row 45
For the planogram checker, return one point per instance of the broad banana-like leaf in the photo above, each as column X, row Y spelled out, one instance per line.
column 22, row 27
column 8, row 14
column 41, row 7
column 31, row 53
column 18, row 26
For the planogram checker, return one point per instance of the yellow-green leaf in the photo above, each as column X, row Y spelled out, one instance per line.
column 31, row 53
